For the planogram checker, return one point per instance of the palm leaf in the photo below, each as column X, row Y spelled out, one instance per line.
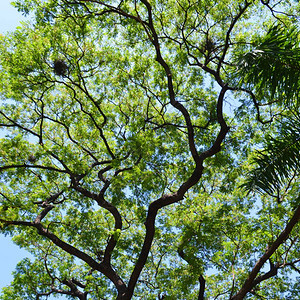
column 279, row 161
column 272, row 67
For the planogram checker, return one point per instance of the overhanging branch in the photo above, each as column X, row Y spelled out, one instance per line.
column 252, row 279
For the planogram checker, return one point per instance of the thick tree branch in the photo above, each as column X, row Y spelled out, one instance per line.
column 43, row 214
column 175, row 197
column 102, row 267
column 202, row 288
column 150, row 226
column 252, row 280
column 272, row 272
column 99, row 198
column 196, row 175
column 216, row 147
column 173, row 101
column 15, row 166
column 74, row 291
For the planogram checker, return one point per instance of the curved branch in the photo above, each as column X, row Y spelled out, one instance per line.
column 74, row 291
column 15, row 124
column 33, row 167
column 150, row 225
column 196, row 175
column 102, row 267
column 43, row 214
column 201, row 278
column 216, row 147
column 173, row 101
column 256, row 105
column 227, row 39
column 99, row 198
column 252, row 280
column 272, row 272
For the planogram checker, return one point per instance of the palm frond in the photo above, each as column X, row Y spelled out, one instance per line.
column 278, row 162
column 272, row 67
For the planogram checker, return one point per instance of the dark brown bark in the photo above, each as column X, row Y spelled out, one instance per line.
column 104, row 268
column 196, row 175
column 252, row 279
column 202, row 288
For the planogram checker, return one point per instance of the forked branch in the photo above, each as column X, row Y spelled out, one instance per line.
column 252, row 279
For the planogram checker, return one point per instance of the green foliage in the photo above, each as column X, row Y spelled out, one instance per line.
column 272, row 66
column 121, row 173
column 278, row 163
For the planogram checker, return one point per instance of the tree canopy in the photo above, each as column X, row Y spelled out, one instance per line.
column 150, row 149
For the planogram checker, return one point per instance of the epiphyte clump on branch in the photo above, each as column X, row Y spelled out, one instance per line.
column 60, row 67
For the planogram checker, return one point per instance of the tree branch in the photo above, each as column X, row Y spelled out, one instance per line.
column 202, row 288
column 102, row 267
column 251, row 280
column 15, row 166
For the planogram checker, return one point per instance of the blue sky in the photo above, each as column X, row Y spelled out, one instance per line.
column 10, row 254
column 9, row 17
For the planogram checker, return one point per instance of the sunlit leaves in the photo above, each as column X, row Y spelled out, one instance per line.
column 100, row 142
column 272, row 67
column 278, row 163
